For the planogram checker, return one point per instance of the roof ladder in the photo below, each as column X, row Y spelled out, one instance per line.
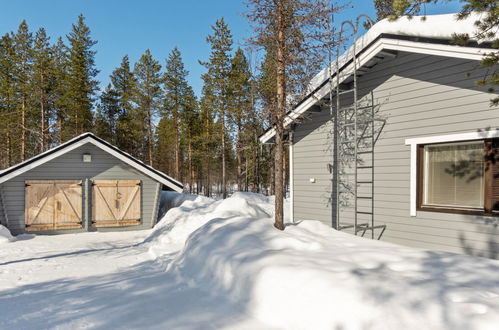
column 356, row 133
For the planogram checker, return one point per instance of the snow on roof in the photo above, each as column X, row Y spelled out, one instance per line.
column 440, row 28
column 429, row 26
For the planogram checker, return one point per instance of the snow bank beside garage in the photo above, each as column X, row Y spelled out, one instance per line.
column 178, row 223
column 313, row 277
column 5, row 235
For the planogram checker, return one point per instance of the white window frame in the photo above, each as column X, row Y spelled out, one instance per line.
column 414, row 142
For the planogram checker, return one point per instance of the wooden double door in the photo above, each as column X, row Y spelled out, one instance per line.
column 58, row 204
column 116, row 203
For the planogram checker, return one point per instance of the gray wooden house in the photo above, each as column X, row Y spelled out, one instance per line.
column 395, row 141
column 85, row 184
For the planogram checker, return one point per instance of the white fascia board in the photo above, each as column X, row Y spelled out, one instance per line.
column 43, row 160
column 470, row 53
column 453, row 51
column 479, row 135
column 73, row 145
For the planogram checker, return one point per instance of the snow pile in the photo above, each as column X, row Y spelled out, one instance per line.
column 5, row 235
column 171, row 232
column 171, row 199
column 313, row 277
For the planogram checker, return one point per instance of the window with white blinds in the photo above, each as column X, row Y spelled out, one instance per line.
column 453, row 175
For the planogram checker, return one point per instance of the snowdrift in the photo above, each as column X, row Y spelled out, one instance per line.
column 313, row 277
column 5, row 235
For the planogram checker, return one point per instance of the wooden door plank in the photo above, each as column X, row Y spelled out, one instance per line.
column 117, row 223
column 105, row 201
column 45, row 198
column 129, row 201
column 71, row 204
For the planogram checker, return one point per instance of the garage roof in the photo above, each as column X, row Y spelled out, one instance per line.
column 80, row 140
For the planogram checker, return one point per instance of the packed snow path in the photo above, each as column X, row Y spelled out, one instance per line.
column 221, row 265
column 100, row 281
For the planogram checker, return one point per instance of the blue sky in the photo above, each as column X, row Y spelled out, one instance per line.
column 130, row 27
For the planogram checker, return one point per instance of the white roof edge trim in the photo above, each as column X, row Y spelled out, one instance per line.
column 471, row 53
column 89, row 139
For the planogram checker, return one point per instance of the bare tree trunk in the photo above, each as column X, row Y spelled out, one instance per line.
column 42, row 117
column 239, row 159
column 149, row 137
column 279, row 115
column 59, row 126
column 191, row 173
column 224, row 182
column 23, row 130
column 177, row 155
column 271, row 174
column 246, row 177
column 9, row 149
column 208, row 188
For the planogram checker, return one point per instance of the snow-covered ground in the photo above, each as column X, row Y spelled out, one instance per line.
column 221, row 265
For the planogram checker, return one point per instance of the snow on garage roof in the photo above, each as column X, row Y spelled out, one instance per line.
column 80, row 140
column 428, row 35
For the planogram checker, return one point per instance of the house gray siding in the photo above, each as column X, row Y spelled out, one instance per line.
column 70, row 166
column 418, row 95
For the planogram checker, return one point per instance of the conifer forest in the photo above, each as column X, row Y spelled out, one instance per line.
column 49, row 94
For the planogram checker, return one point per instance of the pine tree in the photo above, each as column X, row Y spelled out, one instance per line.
column 80, row 80
column 217, row 78
column 148, row 98
column 23, row 45
column 43, row 82
column 8, row 104
column 176, row 94
column 107, row 115
column 240, row 107
column 62, row 100
column 294, row 32
column 384, row 9
column 207, row 143
column 191, row 131
column 128, row 129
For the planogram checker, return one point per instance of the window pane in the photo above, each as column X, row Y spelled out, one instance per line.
column 454, row 174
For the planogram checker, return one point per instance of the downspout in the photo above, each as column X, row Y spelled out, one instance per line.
column 291, row 178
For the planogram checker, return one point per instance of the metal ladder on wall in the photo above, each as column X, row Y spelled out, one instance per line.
column 356, row 138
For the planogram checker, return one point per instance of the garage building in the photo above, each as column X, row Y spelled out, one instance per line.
column 85, row 184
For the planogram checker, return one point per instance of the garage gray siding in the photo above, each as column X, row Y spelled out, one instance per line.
column 70, row 166
column 418, row 95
